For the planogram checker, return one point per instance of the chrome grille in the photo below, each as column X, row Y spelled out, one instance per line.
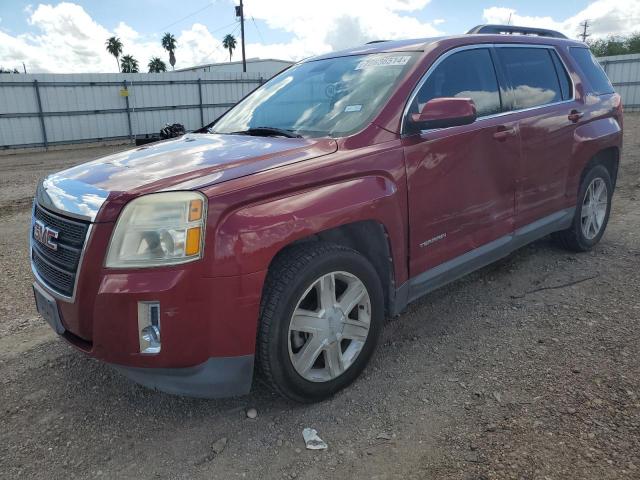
column 58, row 268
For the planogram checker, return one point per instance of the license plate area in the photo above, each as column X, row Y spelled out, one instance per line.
column 48, row 308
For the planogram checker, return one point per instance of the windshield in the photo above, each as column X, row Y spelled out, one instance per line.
column 332, row 97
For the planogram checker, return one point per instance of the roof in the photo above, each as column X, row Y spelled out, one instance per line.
column 410, row 45
column 420, row 44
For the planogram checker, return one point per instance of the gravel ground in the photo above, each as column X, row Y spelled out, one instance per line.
column 527, row 369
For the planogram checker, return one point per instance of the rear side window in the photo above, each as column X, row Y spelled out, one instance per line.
column 591, row 69
column 563, row 76
column 532, row 75
column 465, row 74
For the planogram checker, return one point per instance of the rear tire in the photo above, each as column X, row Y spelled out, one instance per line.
column 309, row 356
column 592, row 212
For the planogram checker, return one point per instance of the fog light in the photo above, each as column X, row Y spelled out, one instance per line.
column 149, row 327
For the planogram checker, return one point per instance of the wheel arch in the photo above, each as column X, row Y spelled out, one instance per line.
column 367, row 237
column 596, row 142
column 609, row 158
column 367, row 214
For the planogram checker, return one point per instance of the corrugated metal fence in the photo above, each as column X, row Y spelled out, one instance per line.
column 624, row 73
column 52, row 109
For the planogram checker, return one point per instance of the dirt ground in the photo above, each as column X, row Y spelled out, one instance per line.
column 510, row 373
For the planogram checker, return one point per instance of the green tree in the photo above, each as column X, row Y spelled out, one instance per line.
column 156, row 65
column 612, row 45
column 169, row 43
column 129, row 64
column 633, row 43
column 229, row 43
column 114, row 47
column 8, row 70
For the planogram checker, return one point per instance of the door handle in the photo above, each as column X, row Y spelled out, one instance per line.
column 575, row 115
column 504, row 132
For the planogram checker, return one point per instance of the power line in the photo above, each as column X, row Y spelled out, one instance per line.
column 210, row 4
column 257, row 29
column 235, row 22
column 219, row 47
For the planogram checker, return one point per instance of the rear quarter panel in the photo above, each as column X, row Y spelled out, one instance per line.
column 600, row 128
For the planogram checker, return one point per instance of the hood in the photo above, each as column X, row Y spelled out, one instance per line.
column 186, row 163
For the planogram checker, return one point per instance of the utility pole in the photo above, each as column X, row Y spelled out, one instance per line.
column 240, row 13
column 585, row 25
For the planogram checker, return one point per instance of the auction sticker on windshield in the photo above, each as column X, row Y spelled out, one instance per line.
column 383, row 61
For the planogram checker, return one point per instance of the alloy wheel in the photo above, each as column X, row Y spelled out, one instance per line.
column 594, row 208
column 329, row 327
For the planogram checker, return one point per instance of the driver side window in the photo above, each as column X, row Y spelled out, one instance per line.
column 465, row 74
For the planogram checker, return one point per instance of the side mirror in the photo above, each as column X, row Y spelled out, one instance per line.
column 445, row 112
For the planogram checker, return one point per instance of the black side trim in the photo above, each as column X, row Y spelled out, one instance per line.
column 452, row 270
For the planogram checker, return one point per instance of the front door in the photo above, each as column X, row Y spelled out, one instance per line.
column 461, row 179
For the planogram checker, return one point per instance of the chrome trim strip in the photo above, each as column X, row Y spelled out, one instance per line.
column 70, row 197
column 37, row 276
column 448, row 53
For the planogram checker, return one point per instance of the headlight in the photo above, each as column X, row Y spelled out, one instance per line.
column 159, row 229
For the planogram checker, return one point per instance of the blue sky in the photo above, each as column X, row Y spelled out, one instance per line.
column 69, row 36
column 151, row 16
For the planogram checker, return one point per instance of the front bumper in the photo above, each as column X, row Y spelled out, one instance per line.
column 208, row 324
column 208, row 330
column 215, row 378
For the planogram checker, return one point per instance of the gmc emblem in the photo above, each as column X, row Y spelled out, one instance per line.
column 45, row 235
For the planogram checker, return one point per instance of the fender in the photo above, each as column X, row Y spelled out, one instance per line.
column 589, row 139
column 248, row 238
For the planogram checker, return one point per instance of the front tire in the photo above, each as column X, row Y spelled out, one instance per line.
column 321, row 315
column 592, row 212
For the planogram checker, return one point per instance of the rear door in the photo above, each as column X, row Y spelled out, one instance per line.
column 542, row 103
column 460, row 179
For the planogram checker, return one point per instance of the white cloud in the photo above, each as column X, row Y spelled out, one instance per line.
column 606, row 17
column 337, row 24
column 64, row 37
column 68, row 40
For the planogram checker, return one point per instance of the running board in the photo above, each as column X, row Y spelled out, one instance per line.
column 475, row 259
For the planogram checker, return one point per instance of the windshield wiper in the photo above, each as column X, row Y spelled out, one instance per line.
column 268, row 132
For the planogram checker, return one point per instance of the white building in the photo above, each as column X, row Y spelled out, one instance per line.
column 267, row 67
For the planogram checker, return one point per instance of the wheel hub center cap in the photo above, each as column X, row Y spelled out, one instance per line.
column 335, row 318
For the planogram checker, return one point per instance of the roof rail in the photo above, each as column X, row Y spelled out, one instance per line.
column 514, row 30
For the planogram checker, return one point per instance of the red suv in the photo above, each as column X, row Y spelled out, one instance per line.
column 332, row 196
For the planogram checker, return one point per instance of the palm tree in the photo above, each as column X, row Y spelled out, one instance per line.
column 229, row 43
column 156, row 65
column 129, row 64
column 114, row 47
column 169, row 44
